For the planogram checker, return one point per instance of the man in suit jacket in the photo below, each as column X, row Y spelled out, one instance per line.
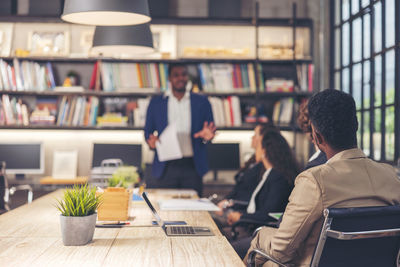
column 191, row 113
column 348, row 179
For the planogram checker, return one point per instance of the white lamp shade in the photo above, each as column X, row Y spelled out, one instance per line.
column 135, row 39
column 106, row 12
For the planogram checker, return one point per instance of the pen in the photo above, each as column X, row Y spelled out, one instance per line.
column 112, row 225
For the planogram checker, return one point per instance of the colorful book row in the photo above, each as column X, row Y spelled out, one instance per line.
column 26, row 76
column 13, row 111
column 226, row 111
column 128, row 76
column 227, row 77
column 283, row 111
column 77, row 111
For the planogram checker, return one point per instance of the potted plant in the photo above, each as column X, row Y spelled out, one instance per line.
column 78, row 214
column 117, row 197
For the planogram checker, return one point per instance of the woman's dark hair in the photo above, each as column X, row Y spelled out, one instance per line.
column 280, row 155
column 303, row 118
column 263, row 128
column 333, row 114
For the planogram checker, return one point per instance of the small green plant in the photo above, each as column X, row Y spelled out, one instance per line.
column 124, row 176
column 79, row 201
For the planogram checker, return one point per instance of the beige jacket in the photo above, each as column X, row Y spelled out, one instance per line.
column 349, row 179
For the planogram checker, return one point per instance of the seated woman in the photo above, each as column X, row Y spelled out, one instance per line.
column 303, row 120
column 273, row 190
column 246, row 179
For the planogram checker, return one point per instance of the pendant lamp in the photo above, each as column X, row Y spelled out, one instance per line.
column 133, row 39
column 106, row 12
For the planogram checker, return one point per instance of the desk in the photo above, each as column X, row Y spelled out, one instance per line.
column 48, row 180
column 30, row 236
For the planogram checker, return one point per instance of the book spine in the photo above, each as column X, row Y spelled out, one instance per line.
column 140, row 74
column 50, row 72
column 310, row 77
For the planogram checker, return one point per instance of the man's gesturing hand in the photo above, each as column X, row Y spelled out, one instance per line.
column 208, row 131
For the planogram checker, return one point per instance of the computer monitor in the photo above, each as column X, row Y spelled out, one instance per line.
column 130, row 154
column 22, row 158
column 223, row 156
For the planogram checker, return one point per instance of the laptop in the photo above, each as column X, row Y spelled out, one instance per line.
column 177, row 230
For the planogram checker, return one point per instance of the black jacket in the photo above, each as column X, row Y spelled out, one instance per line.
column 321, row 159
column 273, row 197
column 246, row 182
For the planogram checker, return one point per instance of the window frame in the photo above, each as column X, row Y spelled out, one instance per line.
column 334, row 70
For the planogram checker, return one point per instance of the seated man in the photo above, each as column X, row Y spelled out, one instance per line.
column 348, row 179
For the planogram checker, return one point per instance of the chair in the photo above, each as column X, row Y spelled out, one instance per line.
column 251, row 226
column 6, row 192
column 367, row 236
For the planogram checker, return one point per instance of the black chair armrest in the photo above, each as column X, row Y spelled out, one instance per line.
column 254, row 223
column 251, row 260
column 26, row 187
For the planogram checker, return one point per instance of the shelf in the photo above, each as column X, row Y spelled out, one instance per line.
column 158, row 60
column 245, row 127
column 85, row 93
column 56, row 127
column 285, row 61
column 285, row 94
column 146, row 94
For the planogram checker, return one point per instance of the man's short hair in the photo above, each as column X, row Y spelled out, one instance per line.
column 333, row 114
column 175, row 65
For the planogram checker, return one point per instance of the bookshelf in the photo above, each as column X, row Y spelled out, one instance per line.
column 273, row 61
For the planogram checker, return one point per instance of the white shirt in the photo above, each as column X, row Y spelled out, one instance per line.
column 179, row 113
column 251, row 208
column 315, row 155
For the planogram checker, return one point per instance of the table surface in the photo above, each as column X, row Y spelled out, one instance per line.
column 30, row 236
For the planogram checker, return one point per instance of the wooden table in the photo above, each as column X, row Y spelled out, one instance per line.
column 30, row 236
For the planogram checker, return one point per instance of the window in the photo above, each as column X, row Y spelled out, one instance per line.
column 365, row 55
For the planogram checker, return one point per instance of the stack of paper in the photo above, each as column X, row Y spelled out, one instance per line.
column 187, row 204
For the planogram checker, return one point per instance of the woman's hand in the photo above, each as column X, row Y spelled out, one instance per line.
column 222, row 205
column 234, row 217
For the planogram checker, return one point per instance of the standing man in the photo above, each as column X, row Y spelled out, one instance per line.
column 192, row 115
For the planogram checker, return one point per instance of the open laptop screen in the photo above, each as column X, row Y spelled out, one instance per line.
column 153, row 210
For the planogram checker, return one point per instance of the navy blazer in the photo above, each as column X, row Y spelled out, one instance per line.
column 273, row 197
column 157, row 120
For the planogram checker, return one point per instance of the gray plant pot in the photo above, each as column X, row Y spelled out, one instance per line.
column 77, row 231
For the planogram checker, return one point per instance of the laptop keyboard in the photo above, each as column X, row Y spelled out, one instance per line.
column 182, row 230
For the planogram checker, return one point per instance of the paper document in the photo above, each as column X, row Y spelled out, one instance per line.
column 168, row 146
column 187, row 204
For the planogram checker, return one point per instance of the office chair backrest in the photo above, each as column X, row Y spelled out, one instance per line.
column 3, row 185
column 367, row 236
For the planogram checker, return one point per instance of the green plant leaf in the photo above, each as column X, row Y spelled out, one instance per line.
column 81, row 200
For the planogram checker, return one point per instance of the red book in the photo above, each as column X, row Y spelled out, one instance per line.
column 231, row 110
column 234, row 77
column 239, row 76
column 310, row 77
column 92, row 85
